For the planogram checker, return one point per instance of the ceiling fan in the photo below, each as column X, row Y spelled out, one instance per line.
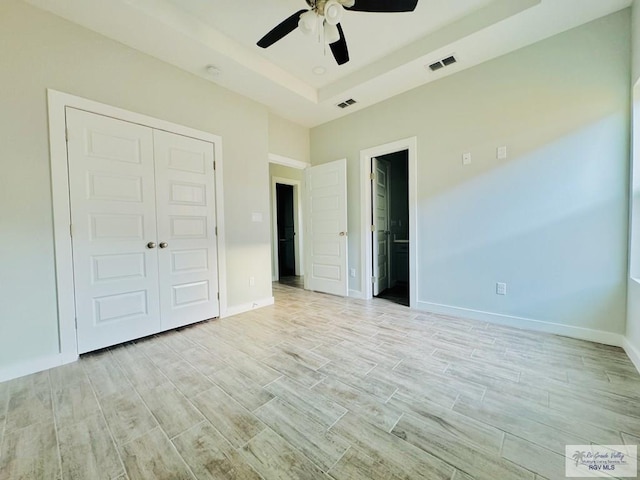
column 326, row 15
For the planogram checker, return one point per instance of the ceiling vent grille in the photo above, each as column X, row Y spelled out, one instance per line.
column 347, row 103
column 445, row 62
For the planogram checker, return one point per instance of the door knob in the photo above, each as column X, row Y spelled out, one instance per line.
column 164, row 245
column 151, row 245
column 343, row 234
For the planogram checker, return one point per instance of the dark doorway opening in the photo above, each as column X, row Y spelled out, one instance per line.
column 391, row 218
column 286, row 231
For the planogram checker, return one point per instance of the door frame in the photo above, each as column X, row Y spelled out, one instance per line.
column 366, row 242
column 57, row 103
column 297, row 224
column 298, row 165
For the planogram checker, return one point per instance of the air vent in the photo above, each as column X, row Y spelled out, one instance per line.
column 449, row 61
column 347, row 103
column 445, row 62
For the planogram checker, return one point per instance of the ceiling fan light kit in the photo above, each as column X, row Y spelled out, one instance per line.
column 333, row 12
column 329, row 14
column 331, row 33
column 308, row 22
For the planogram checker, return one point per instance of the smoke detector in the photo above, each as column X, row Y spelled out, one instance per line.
column 213, row 70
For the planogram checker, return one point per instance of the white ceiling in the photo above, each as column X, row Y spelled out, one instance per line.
column 388, row 52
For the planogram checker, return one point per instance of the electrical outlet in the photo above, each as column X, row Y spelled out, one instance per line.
column 252, row 281
column 501, row 153
column 501, row 288
column 466, row 158
column 352, row 272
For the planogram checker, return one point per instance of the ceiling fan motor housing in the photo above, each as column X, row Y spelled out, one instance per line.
column 319, row 6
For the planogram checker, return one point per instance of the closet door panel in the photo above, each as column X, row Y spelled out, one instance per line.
column 185, row 193
column 113, row 214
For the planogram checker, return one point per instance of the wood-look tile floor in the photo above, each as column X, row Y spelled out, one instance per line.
column 319, row 387
column 292, row 281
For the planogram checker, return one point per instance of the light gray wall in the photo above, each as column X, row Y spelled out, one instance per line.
column 551, row 220
column 289, row 139
column 40, row 51
column 286, row 172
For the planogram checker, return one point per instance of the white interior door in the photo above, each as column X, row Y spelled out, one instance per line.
column 326, row 204
column 381, row 232
column 185, row 192
column 113, row 214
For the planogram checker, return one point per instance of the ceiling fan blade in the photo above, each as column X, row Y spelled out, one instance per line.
column 384, row 6
column 339, row 48
column 281, row 31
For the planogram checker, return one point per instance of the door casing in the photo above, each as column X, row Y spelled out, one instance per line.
column 297, row 216
column 57, row 103
column 366, row 244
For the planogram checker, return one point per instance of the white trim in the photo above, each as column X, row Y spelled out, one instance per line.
column 68, row 100
column 61, row 223
column 634, row 184
column 632, row 352
column 288, row 162
column 34, row 366
column 246, row 307
column 220, row 224
column 410, row 144
column 357, row 294
column 57, row 103
column 598, row 336
column 298, row 225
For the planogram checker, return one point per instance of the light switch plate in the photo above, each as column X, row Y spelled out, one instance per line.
column 466, row 158
column 256, row 217
column 501, row 154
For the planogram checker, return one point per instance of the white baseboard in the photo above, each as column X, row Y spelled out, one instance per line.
column 633, row 352
column 51, row 361
column 44, row 363
column 34, row 366
column 356, row 294
column 238, row 309
column 598, row 336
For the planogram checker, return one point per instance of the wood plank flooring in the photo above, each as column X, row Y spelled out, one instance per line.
column 320, row 387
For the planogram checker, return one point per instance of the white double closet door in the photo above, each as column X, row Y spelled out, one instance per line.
column 143, row 229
